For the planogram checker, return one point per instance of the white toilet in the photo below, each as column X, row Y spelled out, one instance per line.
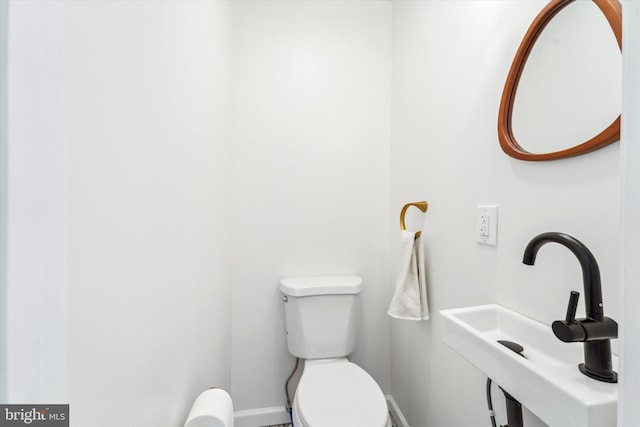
column 321, row 320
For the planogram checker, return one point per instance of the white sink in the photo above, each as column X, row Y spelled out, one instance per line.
column 547, row 382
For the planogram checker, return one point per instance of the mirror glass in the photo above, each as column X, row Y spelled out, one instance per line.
column 571, row 85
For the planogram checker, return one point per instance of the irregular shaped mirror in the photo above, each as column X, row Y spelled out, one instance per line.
column 563, row 93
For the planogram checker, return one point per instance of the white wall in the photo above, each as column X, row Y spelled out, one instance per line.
column 311, row 175
column 628, row 410
column 449, row 66
column 132, row 102
column 120, row 147
column 150, row 175
column 4, row 20
column 37, row 204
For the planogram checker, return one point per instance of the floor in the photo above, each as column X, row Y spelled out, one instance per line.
column 394, row 423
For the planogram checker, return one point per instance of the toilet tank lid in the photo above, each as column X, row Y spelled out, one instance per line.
column 320, row 285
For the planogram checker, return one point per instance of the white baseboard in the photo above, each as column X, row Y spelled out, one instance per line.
column 396, row 412
column 261, row 417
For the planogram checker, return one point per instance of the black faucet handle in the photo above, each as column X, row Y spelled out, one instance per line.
column 585, row 329
column 570, row 330
column 572, row 307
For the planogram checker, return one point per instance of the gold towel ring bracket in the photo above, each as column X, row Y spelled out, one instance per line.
column 420, row 205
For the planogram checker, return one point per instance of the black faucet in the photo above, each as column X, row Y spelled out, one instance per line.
column 596, row 330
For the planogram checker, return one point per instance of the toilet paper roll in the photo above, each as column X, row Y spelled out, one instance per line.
column 213, row 408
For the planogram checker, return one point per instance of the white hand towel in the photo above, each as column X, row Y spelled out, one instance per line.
column 410, row 299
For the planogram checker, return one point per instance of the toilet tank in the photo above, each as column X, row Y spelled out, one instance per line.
column 321, row 315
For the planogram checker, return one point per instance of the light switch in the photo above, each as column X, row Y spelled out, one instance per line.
column 487, row 225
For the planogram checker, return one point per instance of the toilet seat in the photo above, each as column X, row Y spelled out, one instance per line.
column 338, row 393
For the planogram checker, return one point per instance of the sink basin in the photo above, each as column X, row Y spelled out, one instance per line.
column 547, row 382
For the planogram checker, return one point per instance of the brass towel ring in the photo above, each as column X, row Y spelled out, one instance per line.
column 420, row 205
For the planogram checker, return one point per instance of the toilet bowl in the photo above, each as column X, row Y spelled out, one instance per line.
column 338, row 393
column 321, row 321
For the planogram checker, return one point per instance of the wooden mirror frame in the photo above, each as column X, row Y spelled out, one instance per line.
column 612, row 10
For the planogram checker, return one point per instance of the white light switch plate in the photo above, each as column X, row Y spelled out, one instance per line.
column 487, row 225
